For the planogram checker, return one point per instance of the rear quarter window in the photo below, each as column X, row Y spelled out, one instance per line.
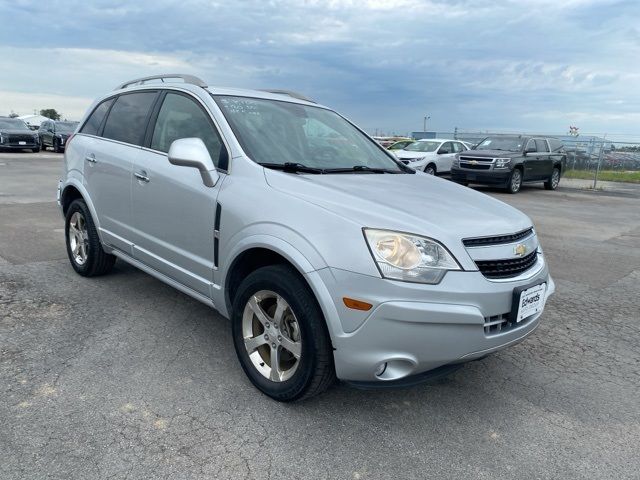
column 93, row 123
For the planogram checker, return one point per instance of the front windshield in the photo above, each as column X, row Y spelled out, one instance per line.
column 13, row 124
column 510, row 144
column 423, row 146
column 277, row 132
column 66, row 127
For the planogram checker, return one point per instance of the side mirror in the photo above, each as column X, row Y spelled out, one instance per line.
column 192, row 152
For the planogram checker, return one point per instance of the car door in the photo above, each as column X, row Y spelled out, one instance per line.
column 530, row 160
column 47, row 134
column 109, row 157
column 444, row 158
column 544, row 162
column 173, row 211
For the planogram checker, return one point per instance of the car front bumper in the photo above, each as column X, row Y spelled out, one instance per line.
column 14, row 146
column 481, row 176
column 416, row 328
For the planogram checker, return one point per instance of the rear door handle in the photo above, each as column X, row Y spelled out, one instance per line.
column 142, row 176
column 91, row 158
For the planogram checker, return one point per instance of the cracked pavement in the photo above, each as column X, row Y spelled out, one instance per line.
column 124, row 377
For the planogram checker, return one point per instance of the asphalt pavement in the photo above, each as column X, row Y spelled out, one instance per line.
column 124, row 377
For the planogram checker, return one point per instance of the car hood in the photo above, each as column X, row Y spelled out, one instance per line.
column 403, row 154
column 489, row 153
column 415, row 203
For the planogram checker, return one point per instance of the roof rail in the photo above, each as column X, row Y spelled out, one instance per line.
column 290, row 94
column 193, row 80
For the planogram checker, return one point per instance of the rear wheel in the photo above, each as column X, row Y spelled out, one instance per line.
column 554, row 179
column 515, row 181
column 280, row 336
column 83, row 244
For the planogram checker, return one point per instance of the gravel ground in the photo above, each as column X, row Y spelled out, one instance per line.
column 124, row 377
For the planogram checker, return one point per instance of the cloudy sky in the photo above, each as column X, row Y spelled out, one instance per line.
column 520, row 65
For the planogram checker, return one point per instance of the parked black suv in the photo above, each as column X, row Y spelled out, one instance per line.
column 15, row 135
column 55, row 134
column 510, row 160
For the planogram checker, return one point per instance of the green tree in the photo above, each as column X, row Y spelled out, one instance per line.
column 50, row 113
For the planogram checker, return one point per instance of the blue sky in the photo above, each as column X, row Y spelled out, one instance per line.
column 479, row 65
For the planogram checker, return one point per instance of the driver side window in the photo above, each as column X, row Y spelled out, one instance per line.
column 531, row 146
column 446, row 148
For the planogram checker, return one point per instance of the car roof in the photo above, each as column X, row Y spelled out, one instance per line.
column 438, row 140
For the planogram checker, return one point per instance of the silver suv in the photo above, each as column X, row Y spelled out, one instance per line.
column 292, row 222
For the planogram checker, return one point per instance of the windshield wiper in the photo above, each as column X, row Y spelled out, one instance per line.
column 361, row 168
column 292, row 167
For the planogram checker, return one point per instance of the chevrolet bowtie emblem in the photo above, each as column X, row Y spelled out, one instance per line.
column 473, row 162
column 520, row 249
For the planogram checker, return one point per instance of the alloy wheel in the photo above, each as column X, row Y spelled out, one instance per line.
column 271, row 336
column 555, row 178
column 78, row 238
column 516, row 180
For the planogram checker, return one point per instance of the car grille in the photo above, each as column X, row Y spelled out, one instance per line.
column 498, row 239
column 507, row 268
column 475, row 163
column 18, row 137
column 501, row 324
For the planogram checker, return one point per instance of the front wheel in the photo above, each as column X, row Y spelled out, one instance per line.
column 280, row 336
column 56, row 146
column 515, row 182
column 430, row 169
column 83, row 244
column 554, row 180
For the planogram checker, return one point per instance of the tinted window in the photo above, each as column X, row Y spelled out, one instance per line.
column 95, row 120
column 127, row 119
column 531, row 144
column 541, row 145
column 13, row 124
column 446, row 148
column 181, row 117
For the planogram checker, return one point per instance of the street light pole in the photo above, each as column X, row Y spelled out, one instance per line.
column 424, row 129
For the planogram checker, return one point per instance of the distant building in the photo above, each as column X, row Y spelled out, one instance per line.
column 423, row 135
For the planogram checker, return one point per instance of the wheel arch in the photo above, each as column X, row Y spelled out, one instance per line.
column 74, row 190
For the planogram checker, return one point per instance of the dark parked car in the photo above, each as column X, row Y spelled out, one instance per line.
column 55, row 134
column 15, row 135
column 510, row 160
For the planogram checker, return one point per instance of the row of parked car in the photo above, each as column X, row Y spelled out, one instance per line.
column 16, row 135
column 505, row 161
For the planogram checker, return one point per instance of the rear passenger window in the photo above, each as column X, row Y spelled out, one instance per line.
column 127, row 120
column 92, row 125
column 541, row 145
column 556, row 145
column 181, row 117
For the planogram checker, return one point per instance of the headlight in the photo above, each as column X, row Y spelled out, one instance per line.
column 410, row 258
column 415, row 159
column 502, row 162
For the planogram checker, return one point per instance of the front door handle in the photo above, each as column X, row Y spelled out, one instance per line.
column 91, row 158
column 142, row 176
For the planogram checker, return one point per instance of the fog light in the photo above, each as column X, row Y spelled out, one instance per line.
column 381, row 369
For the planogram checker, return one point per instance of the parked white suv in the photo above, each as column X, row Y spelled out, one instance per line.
column 292, row 222
column 432, row 156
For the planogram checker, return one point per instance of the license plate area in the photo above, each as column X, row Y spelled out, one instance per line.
column 21, row 142
column 528, row 301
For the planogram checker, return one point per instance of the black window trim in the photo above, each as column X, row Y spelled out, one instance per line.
column 223, row 160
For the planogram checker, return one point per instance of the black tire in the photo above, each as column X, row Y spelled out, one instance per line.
column 515, row 181
column 43, row 147
column 56, row 146
column 554, row 179
column 315, row 371
column 35, row 150
column 97, row 261
column 430, row 169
